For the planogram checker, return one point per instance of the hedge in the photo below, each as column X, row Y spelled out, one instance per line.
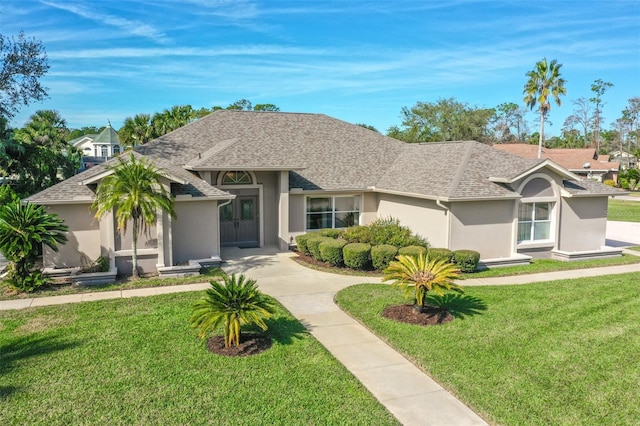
column 331, row 233
column 331, row 251
column 467, row 260
column 357, row 255
column 412, row 250
column 301, row 242
column 313, row 244
column 441, row 254
column 382, row 255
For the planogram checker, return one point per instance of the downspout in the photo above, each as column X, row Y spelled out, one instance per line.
column 218, row 223
column 448, row 228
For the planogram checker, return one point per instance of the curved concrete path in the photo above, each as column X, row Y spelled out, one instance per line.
column 410, row 395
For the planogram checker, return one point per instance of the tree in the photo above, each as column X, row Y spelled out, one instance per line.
column 241, row 105
column 631, row 114
column 136, row 131
column 23, row 61
column 45, row 128
column 420, row 275
column 266, row 107
column 581, row 117
column 544, row 85
column 599, row 87
column 621, row 125
column 443, row 120
column 134, row 191
column 509, row 117
column 24, row 228
column 233, row 303
column 171, row 119
column 368, row 126
column 85, row 130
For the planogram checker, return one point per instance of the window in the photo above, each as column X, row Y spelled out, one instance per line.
column 333, row 211
column 104, row 151
column 116, row 149
column 534, row 222
column 236, row 178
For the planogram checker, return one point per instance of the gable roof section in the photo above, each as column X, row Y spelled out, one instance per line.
column 107, row 136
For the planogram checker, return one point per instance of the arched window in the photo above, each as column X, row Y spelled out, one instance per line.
column 535, row 211
column 116, row 149
column 104, row 151
column 236, row 178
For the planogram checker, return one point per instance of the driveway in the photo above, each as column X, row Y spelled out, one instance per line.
column 623, row 234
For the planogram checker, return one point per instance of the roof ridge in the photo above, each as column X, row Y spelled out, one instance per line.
column 462, row 166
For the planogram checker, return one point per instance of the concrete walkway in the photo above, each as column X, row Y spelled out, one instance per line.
column 410, row 395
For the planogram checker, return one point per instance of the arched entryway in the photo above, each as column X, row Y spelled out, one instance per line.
column 240, row 219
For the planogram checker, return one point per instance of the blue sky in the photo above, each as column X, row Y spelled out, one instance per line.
column 359, row 61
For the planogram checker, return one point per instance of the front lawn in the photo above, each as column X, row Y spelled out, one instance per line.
column 623, row 211
column 136, row 361
column 562, row 352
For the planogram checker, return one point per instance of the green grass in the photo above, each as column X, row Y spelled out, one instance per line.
column 550, row 265
column 137, row 361
column 562, row 352
column 624, row 211
column 123, row 283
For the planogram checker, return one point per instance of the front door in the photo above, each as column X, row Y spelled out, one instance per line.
column 239, row 222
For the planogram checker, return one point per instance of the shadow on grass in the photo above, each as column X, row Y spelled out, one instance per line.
column 459, row 305
column 286, row 330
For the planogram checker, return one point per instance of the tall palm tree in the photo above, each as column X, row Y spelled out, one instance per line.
column 45, row 128
column 24, row 228
column 233, row 303
column 136, row 131
column 135, row 191
column 543, row 86
column 420, row 275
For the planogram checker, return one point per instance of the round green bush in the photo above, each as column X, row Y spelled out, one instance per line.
column 357, row 255
column 440, row 254
column 301, row 242
column 331, row 251
column 382, row 255
column 313, row 244
column 467, row 260
column 331, row 233
column 412, row 250
column 357, row 234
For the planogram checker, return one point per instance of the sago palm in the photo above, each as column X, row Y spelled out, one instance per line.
column 135, row 192
column 232, row 303
column 24, row 228
column 544, row 85
column 420, row 275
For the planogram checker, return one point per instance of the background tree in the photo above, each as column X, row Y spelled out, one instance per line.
column 136, row 131
column 599, row 87
column 24, row 228
column 631, row 114
column 367, row 126
column 581, row 117
column 85, row 130
column 23, row 61
column 266, row 107
column 241, row 105
column 444, row 120
column 134, row 192
column 543, row 85
column 509, row 122
column 171, row 119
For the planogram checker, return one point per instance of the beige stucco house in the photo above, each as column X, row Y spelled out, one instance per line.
column 260, row 178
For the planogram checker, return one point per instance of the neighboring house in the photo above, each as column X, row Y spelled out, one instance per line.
column 626, row 160
column 260, row 178
column 584, row 162
column 96, row 149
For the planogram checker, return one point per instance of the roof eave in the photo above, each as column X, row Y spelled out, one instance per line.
column 546, row 163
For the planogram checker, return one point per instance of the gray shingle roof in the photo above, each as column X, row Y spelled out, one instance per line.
column 107, row 136
column 324, row 153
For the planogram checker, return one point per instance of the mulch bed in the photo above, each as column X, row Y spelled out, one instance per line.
column 250, row 344
column 409, row 315
column 304, row 259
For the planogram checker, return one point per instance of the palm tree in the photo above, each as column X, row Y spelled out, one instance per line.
column 136, row 131
column 24, row 228
column 544, row 84
column 234, row 302
column 135, row 191
column 45, row 128
column 420, row 275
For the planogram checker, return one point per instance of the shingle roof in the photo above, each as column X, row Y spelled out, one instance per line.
column 107, row 136
column 569, row 158
column 324, row 153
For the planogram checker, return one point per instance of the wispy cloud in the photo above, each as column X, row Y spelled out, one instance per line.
column 132, row 27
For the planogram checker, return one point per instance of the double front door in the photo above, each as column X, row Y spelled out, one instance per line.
column 239, row 222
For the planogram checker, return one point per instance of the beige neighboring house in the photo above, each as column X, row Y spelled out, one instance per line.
column 584, row 162
column 254, row 179
column 626, row 160
column 96, row 149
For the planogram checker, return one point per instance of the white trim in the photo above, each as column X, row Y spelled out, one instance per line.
column 333, row 211
column 546, row 163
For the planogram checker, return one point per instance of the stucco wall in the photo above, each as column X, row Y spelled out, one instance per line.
column 424, row 217
column 147, row 239
column 270, row 198
column 83, row 245
column 584, row 223
column 194, row 231
column 146, row 264
column 297, row 219
column 483, row 226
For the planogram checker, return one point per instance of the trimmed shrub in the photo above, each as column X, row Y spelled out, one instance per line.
column 357, row 255
column 301, row 242
column 609, row 182
column 441, row 254
column 331, row 251
column 331, row 233
column 389, row 231
column 467, row 260
column 412, row 250
column 382, row 255
column 357, row 234
column 313, row 244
